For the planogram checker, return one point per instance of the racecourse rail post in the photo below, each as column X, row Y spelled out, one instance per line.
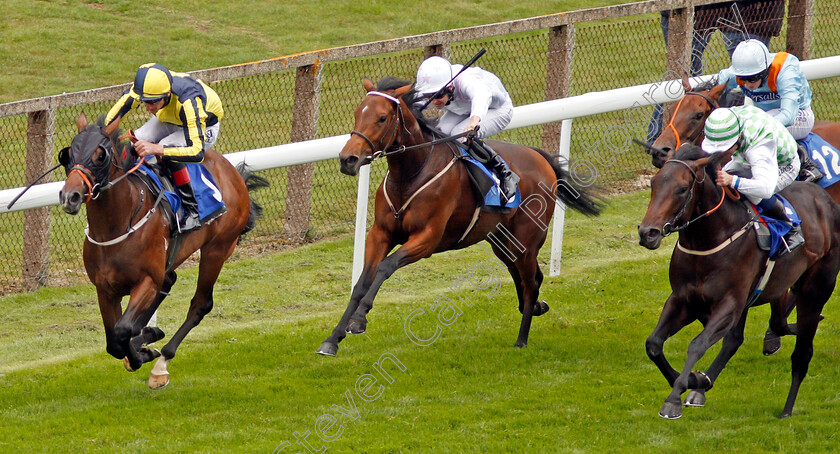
column 559, row 209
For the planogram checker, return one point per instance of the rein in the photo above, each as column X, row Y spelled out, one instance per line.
column 668, row 228
column 95, row 189
column 711, row 102
column 377, row 153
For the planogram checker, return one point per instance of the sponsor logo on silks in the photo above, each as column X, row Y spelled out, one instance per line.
column 762, row 97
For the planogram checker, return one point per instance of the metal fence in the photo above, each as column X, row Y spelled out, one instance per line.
column 591, row 50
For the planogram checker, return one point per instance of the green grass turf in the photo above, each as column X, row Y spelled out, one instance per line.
column 247, row 379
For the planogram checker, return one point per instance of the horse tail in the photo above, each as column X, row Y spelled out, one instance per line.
column 252, row 182
column 574, row 196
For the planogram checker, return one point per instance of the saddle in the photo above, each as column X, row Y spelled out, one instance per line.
column 485, row 185
column 770, row 232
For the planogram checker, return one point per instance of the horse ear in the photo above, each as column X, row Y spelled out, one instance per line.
column 402, row 90
column 81, row 121
column 368, row 85
column 112, row 126
column 686, row 85
column 716, row 91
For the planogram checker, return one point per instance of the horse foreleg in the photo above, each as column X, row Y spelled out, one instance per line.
column 719, row 324
column 143, row 334
column 528, row 268
column 417, row 247
column 109, row 308
column 377, row 245
column 731, row 343
column 673, row 318
column 139, row 301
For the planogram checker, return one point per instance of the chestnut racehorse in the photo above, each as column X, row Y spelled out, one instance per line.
column 717, row 264
column 128, row 235
column 427, row 205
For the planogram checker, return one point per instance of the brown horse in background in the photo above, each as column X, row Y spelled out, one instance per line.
column 430, row 207
column 717, row 264
column 134, row 237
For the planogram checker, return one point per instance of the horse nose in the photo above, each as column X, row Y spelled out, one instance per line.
column 70, row 202
column 349, row 165
column 650, row 237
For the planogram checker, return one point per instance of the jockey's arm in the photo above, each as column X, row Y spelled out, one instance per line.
column 122, row 106
column 193, row 115
column 763, row 166
column 789, row 86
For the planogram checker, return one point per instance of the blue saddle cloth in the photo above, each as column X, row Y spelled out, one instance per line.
column 207, row 194
column 778, row 229
column 486, row 185
column 826, row 156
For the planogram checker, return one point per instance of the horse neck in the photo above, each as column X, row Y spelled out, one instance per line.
column 112, row 213
column 407, row 166
column 712, row 230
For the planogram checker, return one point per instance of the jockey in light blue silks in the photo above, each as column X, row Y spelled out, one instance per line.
column 775, row 84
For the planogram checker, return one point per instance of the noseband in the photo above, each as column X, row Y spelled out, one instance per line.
column 712, row 103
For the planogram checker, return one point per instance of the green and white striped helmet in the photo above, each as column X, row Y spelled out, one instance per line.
column 722, row 130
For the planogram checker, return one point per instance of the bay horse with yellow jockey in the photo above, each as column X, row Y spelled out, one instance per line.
column 128, row 241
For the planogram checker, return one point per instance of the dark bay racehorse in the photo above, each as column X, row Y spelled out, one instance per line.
column 689, row 115
column 133, row 235
column 717, row 264
column 430, row 206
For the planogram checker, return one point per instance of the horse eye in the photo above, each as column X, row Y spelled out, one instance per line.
column 99, row 156
column 382, row 119
column 699, row 116
column 682, row 190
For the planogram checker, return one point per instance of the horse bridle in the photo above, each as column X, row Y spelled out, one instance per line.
column 668, row 228
column 98, row 179
column 712, row 103
column 392, row 129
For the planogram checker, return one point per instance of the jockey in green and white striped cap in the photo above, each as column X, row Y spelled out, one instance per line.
column 722, row 130
column 765, row 160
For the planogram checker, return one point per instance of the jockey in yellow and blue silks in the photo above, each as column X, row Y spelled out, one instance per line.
column 185, row 124
column 775, row 84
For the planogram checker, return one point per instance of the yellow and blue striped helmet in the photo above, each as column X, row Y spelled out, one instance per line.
column 152, row 82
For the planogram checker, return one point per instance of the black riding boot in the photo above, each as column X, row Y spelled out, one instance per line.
column 507, row 179
column 189, row 221
column 808, row 169
column 794, row 238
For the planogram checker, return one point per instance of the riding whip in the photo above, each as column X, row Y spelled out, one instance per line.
column 9, row 206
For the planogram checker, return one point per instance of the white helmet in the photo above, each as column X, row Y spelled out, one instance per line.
column 750, row 58
column 432, row 75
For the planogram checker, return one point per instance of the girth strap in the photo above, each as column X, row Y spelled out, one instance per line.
column 399, row 212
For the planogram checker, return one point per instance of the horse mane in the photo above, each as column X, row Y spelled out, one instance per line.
column 413, row 101
column 730, row 96
column 692, row 152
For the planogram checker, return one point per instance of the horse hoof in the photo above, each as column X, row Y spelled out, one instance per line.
column 356, row 327
column 327, row 349
column 520, row 345
column 158, row 381
column 695, row 399
column 671, row 411
column 772, row 346
column 127, row 365
column 540, row 308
